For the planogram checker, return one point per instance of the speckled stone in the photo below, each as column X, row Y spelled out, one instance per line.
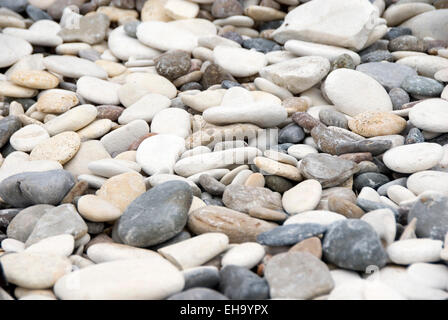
column 422, row 86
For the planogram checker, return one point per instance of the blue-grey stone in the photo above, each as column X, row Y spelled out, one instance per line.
column 389, row 75
column 383, row 189
column 37, row 14
column 227, row 84
column 396, row 32
column 157, row 215
column 406, row 43
column 333, row 118
column 370, row 179
column 278, row 184
column 207, row 277
column 8, row 126
column 292, row 133
column 414, row 136
column 422, row 86
column 234, row 36
column 261, row 45
column 269, row 25
column 368, row 205
column 377, row 45
column 431, row 212
column 131, row 28
column 29, row 188
column 14, row 5
column 377, row 56
column 353, row 244
column 290, row 234
column 399, row 97
column 239, row 283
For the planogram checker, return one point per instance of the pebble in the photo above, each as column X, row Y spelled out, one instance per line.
column 422, row 86
column 220, row 219
column 72, row 120
column 108, row 251
column 61, row 148
column 303, row 197
column 383, row 222
column 34, row 79
column 239, row 283
column 95, row 209
column 299, row 74
column 370, row 179
column 431, row 214
column 98, row 91
column 413, row 158
column 132, row 279
column 354, row 245
column 328, row 170
column 172, row 121
column 297, row 275
column 246, row 255
column 362, row 87
column 205, row 246
column 277, row 168
column 415, row 250
column 34, row 270
column 428, row 115
column 29, row 188
column 425, row 65
column 15, row 49
column 198, row 294
column 121, row 190
column 73, row 67
column 119, row 140
column 145, row 108
column 88, row 151
column 399, row 97
column 145, row 221
column 389, row 75
column 8, row 126
column 61, row 245
column 372, row 124
column 205, row 277
column 242, row 198
column 290, row 234
column 56, row 101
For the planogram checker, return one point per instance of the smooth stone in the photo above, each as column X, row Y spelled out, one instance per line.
column 124, row 47
column 98, row 91
column 239, row 62
column 413, row 158
column 198, row 294
column 112, row 167
column 334, row 118
column 328, row 170
column 14, row 49
column 300, row 151
column 377, row 56
column 297, row 275
column 89, row 151
column 291, row 234
column 239, row 283
column 429, row 114
column 173, row 64
column 422, row 86
column 428, row 274
column 223, row 220
column 292, row 133
column 122, row 190
column 399, row 97
column 277, row 168
column 56, row 101
column 74, row 67
column 362, row 87
column 389, row 75
column 63, row 219
column 61, row 245
column 382, row 191
column 91, row 29
column 370, row 179
column 12, row 245
column 199, row 163
column 119, row 140
column 146, row 220
column 72, row 120
column 164, row 36
column 243, row 198
column 107, row 251
column 299, row 74
column 61, row 148
column 354, row 245
column 441, row 75
column 96, row 209
column 399, row 194
column 202, row 277
column 303, row 197
column 142, row 279
column 304, row 48
column 311, row 245
column 372, row 124
column 95, row 129
column 211, row 185
column 145, row 108
column 309, row 22
column 265, row 115
column 9, row 89
column 8, row 126
column 246, row 255
column 322, row 217
column 34, row 79
column 205, row 246
column 277, row 183
column 24, row 222
column 203, row 100
column 401, row 12
column 152, row 160
column 432, row 218
column 344, row 207
column 383, row 222
column 33, row 270
column 410, row 251
column 109, row 112
column 172, row 121
column 25, row 189
column 425, row 65
column 428, row 24
column 406, row 43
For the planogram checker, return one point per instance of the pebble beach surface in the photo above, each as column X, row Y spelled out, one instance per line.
column 224, row 149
